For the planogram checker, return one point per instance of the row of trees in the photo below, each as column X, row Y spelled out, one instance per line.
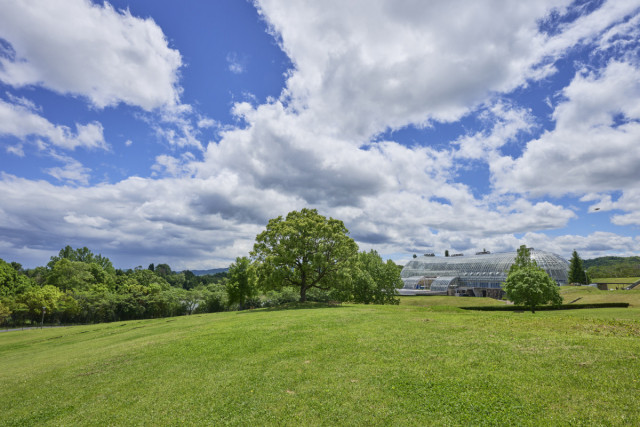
column 304, row 256
column 78, row 286
column 613, row 266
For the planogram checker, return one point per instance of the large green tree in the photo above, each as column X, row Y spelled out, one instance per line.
column 78, row 275
column 305, row 250
column 577, row 272
column 375, row 281
column 528, row 284
column 82, row 255
column 241, row 283
column 12, row 282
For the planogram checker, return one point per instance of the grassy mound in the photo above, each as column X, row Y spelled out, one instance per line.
column 368, row 365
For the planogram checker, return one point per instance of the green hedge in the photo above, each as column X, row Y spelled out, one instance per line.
column 548, row 307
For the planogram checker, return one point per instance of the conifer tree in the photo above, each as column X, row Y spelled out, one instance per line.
column 576, row 270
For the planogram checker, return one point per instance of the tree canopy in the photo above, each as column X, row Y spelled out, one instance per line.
column 78, row 286
column 375, row 281
column 613, row 266
column 81, row 255
column 528, row 284
column 305, row 250
column 241, row 283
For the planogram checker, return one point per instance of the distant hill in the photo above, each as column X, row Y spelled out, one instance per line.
column 212, row 271
column 613, row 266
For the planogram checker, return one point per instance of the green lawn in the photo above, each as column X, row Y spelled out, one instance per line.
column 623, row 280
column 588, row 294
column 614, row 281
column 425, row 362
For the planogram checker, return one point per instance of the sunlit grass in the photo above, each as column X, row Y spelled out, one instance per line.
column 589, row 295
column 622, row 280
column 366, row 365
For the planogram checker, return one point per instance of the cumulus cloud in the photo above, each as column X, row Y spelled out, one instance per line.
column 22, row 121
column 360, row 68
column 155, row 220
column 593, row 245
column 505, row 122
column 80, row 48
column 594, row 144
column 371, row 65
column 628, row 202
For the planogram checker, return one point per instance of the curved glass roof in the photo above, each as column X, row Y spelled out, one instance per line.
column 484, row 270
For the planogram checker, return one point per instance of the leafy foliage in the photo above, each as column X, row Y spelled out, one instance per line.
column 241, row 283
column 80, row 287
column 12, row 282
column 305, row 250
column 522, row 260
column 5, row 312
column 375, row 281
column 304, row 253
column 81, row 255
column 529, row 285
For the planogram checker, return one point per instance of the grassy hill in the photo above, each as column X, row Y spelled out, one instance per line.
column 613, row 266
column 423, row 362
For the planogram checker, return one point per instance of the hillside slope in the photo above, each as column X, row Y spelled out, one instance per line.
column 613, row 266
column 370, row 365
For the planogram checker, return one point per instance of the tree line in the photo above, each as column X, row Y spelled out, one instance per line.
column 77, row 286
column 303, row 257
column 613, row 266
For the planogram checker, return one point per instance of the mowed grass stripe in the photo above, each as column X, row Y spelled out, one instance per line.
column 366, row 365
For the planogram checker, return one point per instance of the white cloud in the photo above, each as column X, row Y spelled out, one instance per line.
column 72, row 172
column 506, row 123
column 16, row 150
column 628, row 202
column 187, row 223
column 603, row 25
column 590, row 246
column 593, row 147
column 360, row 67
column 85, row 220
column 368, row 65
column 235, row 64
column 173, row 166
column 207, row 122
column 21, row 122
column 76, row 47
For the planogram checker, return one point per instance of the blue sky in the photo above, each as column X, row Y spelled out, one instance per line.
column 155, row 131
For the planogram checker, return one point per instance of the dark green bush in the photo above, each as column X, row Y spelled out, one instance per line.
column 548, row 307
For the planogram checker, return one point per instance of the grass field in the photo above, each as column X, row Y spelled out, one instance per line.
column 623, row 280
column 615, row 281
column 425, row 362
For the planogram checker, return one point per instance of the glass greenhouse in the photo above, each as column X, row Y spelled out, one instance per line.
column 480, row 275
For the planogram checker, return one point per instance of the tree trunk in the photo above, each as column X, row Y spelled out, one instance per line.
column 303, row 294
